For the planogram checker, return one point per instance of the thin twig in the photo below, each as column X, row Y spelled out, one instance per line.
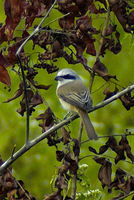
column 91, row 81
column 80, row 132
column 74, row 178
column 26, row 100
column 125, row 196
column 103, row 33
column 22, row 70
column 107, row 136
column 37, row 29
column 56, row 19
column 35, row 141
column 13, row 151
column 19, row 185
column 106, row 156
column 100, row 45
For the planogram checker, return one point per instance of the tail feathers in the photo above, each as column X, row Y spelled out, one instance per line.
column 88, row 125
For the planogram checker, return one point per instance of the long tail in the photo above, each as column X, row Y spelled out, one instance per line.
column 88, row 125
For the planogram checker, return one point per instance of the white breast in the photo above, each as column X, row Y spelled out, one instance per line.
column 67, row 106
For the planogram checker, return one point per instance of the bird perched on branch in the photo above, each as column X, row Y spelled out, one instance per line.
column 75, row 97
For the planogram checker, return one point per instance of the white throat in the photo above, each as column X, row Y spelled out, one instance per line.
column 63, row 82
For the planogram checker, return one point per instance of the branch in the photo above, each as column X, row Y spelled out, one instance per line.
column 26, row 99
column 41, row 137
column 100, row 46
column 74, row 178
column 107, row 136
column 103, row 33
column 22, row 69
column 125, row 196
column 37, row 29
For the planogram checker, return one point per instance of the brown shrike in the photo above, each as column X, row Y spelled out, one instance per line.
column 75, row 97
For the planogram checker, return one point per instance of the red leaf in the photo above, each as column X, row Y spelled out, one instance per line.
column 13, row 11
column 4, row 76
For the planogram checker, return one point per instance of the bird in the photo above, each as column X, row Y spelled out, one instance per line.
column 75, row 97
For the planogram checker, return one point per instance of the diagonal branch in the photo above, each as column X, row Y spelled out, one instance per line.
column 41, row 137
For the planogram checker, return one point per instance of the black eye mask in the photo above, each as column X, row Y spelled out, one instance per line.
column 67, row 76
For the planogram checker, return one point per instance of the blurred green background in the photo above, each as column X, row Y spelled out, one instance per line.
column 38, row 166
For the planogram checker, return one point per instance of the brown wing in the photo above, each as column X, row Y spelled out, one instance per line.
column 75, row 93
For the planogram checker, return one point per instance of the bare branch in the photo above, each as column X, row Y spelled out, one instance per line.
column 26, row 99
column 41, row 137
column 13, row 151
column 37, row 29
column 107, row 136
column 74, row 178
column 22, row 70
column 103, row 33
column 100, row 46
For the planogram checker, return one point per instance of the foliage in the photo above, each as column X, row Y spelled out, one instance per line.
column 94, row 37
column 85, row 193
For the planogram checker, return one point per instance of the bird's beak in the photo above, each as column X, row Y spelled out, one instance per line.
column 56, row 78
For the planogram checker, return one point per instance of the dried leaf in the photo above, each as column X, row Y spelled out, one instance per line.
column 109, row 93
column 34, row 9
column 73, row 167
column 13, row 10
column 67, row 22
column 127, row 148
column 22, row 109
column 127, row 100
column 60, row 182
column 47, row 119
column 119, row 149
column 102, row 71
column 76, row 147
column 92, row 150
column 35, row 100
column 59, row 155
column 119, row 178
column 44, row 87
column 54, row 196
column 103, row 149
column 94, row 10
column 131, row 18
column 110, row 29
column 4, row 76
column 3, row 60
column 120, row 10
column 11, row 194
column 127, row 186
column 17, row 94
column 66, row 135
column 64, row 168
column 84, row 32
column 9, row 187
column 105, row 171
column 121, row 195
column 68, row 7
